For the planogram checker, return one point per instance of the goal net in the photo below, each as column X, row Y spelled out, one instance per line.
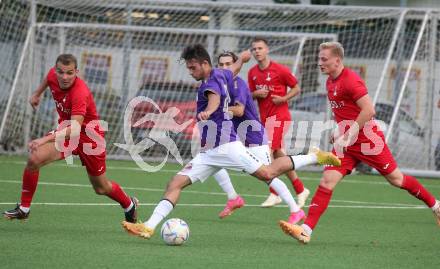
column 127, row 49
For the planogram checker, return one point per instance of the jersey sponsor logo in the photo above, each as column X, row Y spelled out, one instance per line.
column 264, row 87
column 336, row 104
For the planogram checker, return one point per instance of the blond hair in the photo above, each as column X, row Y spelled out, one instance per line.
column 335, row 47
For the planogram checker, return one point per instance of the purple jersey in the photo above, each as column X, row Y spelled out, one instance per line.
column 218, row 129
column 251, row 132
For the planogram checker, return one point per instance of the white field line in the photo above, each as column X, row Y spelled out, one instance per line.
column 212, row 205
column 137, row 169
column 217, row 193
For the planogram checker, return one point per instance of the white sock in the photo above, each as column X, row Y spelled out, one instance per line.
column 307, row 229
column 284, row 193
column 224, row 181
column 160, row 212
column 129, row 207
column 436, row 205
column 304, row 160
column 25, row 209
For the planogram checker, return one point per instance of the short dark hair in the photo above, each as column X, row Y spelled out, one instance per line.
column 260, row 39
column 228, row 54
column 197, row 52
column 67, row 59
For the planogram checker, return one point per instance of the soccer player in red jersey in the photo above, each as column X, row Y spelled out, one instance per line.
column 76, row 107
column 359, row 139
column 268, row 82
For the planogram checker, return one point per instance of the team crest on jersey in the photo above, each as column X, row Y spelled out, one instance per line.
column 268, row 77
column 254, row 78
column 335, row 93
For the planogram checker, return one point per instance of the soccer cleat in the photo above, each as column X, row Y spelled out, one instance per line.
column 272, row 200
column 302, row 197
column 325, row 157
column 231, row 205
column 436, row 212
column 295, row 231
column 296, row 216
column 131, row 216
column 16, row 213
column 138, row 229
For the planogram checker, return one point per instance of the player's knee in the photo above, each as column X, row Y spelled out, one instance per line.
column 174, row 184
column 328, row 183
column 264, row 173
column 33, row 162
column 101, row 190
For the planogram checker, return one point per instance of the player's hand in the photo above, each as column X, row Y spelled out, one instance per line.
column 34, row 144
column 331, row 139
column 204, row 115
column 245, row 56
column 276, row 99
column 342, row 142
column 261, row 93
column 34, row 101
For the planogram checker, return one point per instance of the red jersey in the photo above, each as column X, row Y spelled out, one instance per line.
column 343, row 92
column 275, row 78
column 77, row 100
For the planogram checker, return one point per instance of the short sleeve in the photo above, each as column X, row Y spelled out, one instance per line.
column 240, row 92
column 288, row 78
column 356, row 88
column 251, row 82
column 51, row 76
column 80, row 99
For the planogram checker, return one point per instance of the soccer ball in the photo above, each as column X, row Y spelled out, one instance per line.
column 174, row 232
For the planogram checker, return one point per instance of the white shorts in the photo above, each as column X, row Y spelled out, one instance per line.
column 234, row 156
column 262, row 153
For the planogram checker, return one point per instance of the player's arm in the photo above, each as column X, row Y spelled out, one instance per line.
column 213, row 103
column 72, row 130
column 367, row 110
column 237, row 110
column 244, row 57
column 35, row 98
column 276, row 99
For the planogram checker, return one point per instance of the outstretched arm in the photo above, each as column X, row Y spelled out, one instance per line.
column 237, row 110
column 35, row 98
column 244, row 57
column 72, row 130
column 213, row 103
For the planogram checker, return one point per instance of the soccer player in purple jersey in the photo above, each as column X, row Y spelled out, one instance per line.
column 219, row 145
column 252, row 134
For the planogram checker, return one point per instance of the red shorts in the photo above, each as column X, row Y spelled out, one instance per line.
column 94, row 163
column 383, row 161
column 275, row 134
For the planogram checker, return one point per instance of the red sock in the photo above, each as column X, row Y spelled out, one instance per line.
column 29, row 185
column 318, row 205
column 413, row 186
column 118, row 195
column 273, row 191
column 298, row 185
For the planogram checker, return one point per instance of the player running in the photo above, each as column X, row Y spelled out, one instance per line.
column 268, row 81
column 219, row 144
column 252, row 134
column 360, row 140
column 78, row 123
